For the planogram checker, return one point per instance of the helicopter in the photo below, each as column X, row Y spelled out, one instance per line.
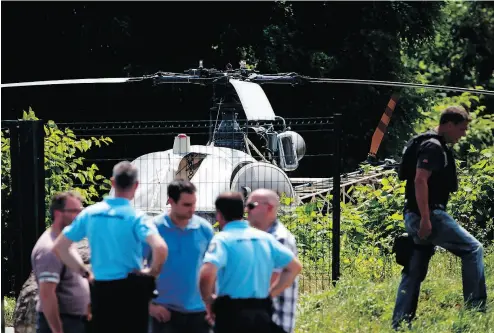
column 240, row 155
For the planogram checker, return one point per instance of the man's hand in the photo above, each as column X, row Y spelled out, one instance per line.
column 160, row 313
column 89, row 316
column 209, row 315
column 90, row 278
column 209, row 311
column 148, row 271
column 425, row 228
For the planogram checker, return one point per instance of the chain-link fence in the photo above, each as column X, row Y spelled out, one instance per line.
column 295, row 157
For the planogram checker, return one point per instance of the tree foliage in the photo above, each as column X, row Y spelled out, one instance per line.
column 65, row 166
column 374, row 216
column 462, row 49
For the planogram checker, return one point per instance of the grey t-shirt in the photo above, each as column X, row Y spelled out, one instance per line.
column 72, row 290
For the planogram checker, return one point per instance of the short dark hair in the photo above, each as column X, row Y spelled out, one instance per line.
column 179, row 186
column 125, row 175
column 230, row 205
column 455, row 114
column 59, row 199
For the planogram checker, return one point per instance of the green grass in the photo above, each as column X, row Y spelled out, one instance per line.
column 9, row 307
column 357, row 304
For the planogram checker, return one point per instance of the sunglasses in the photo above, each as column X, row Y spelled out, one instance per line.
column 252, row 205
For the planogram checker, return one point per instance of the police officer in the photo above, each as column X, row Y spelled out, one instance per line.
column 121, row 289
column 432, row 179
column 242, row 259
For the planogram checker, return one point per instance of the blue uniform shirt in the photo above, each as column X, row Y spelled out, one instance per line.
column 246, row 258
column 115, row 232
column 178, row 283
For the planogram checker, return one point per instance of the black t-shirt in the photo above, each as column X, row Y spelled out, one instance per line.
column 435, row 156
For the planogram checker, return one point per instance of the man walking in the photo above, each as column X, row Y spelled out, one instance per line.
column 242, row 259
column 262, row 206
column 428, row 165
column 122, row 290
column 63, row 300
column 179, row 307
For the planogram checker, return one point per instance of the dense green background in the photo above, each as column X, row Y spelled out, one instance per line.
column 446, row 43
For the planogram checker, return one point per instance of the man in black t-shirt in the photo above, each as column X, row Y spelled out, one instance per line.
column 427, row 193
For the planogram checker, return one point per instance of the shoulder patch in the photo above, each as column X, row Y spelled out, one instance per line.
column 212, row 247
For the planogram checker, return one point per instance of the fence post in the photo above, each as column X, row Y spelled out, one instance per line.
column 335, row 265
column 28, row 189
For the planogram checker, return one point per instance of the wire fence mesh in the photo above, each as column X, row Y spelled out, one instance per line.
column 290, row 156
column 236, row 155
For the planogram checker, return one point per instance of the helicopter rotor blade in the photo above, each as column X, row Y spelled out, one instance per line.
column 76, row 81
column 293, row 78
column 212, row 77
column 383, row 125
column 401, row 84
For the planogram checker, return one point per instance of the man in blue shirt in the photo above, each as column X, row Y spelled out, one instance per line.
column 121, row 289
column 179, row 306
column 242, row 259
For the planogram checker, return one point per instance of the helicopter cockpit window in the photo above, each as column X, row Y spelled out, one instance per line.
column 289, row 152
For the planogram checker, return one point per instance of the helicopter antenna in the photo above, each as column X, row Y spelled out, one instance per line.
column 216, row 122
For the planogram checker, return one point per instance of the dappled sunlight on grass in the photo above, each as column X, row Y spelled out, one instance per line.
column 357, row 304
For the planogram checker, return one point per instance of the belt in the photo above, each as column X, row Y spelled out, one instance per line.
column 431, row 207
column 227, row 303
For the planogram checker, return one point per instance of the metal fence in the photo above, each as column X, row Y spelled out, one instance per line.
column 23, row 199
column 289, row 156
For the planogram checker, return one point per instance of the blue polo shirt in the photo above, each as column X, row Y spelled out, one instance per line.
column 245, row 258
column 178, row 283
column 115, row 232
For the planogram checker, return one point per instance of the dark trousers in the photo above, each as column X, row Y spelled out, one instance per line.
column 121, row 305
column 243, row 315
column 181, row 323
column 70, row 324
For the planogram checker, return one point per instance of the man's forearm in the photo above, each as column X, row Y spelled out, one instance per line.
column 157, row 261
column 71, row 261
column 52, row 313
column 207, row 289
column 206, row 284
column 422, row 197
column 284, row 280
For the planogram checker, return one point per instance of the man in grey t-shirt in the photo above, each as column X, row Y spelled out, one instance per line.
column 64, row 297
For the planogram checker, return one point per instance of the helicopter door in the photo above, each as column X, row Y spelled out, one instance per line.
column 288, row 154
column 189, row 164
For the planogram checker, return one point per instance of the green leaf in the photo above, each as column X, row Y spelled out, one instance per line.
column 397, row 217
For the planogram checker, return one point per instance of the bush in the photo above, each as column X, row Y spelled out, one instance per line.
column 63, row 166
column 374, row 216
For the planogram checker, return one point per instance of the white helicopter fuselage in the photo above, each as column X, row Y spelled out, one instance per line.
column 212, row 170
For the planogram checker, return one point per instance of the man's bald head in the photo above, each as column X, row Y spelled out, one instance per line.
column 262, row 207
column 268, row 195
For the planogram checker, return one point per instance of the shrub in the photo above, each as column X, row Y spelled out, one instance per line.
column 63, row 164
